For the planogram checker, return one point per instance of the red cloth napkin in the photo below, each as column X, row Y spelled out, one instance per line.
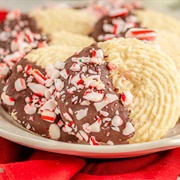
column 22, row 163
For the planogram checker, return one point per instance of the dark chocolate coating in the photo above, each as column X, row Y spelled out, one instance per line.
column 37, row 125
column 98, row 28
column 65, row 102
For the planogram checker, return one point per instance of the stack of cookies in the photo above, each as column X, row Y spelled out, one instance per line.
column 103, row 74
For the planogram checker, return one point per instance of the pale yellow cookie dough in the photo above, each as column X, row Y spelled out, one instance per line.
column 154, row 81
column 56, row 19
column 167, row 29
column 71, row 39
column 159, row 21
column 51, row 54
column 168, row 43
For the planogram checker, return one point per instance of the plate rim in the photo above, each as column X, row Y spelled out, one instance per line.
column 33, row 140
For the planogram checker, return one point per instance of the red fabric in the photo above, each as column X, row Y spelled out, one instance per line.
column 3, row 14
column 19, row 162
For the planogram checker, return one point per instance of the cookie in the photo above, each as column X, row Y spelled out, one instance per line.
column 19, row 34
column 159, row 21
column 153, row 80
column 89, row 104
column 121, row 22
column 168, row 43
column 71, row 20
column 29, row 96
column 102, row 8
column 115, row 24
column 167, row 36
column 67, row 38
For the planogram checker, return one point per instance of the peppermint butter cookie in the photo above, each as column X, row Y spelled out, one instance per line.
column 149, row 83
column 159, row 21
column 167, row 29
column 67, row 38
column 72, row 20
column 19, row 34
column 31, row 104
column 29, row 96
column 88, row 102
column 168, row 43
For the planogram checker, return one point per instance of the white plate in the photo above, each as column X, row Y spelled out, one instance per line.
column 13, row 132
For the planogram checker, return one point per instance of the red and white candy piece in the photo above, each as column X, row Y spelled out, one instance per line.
column 93, row 96
column 28, row 69
column 111, row 66
column 118, row 12
column 126, row 98
column 67, row 116
column 49, row 105
column 42, row 44
column 59, row 84
column 4, row 69
column 81, row 113
column 141, row 34
column 50, row 70
column 39, row 76
column 54, row 131
column 37, row 88
column 93, row 141
column 75, row 67
column 13, row 15
column 84, row 135
column 60, row 65
column 109, row 98
column 48, row 116
column 128, row 129
column 30, row 109
column 95, row 127
column 14, row 45
column 117, row 121
column 20, row 84
column 64, row 73
column 29, row 36
column 7, row 99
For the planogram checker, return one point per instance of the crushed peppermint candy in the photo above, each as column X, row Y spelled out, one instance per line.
column 54, row 131
column 141, row 34
column 7, row 99
column 20, row 84
column 127, row 98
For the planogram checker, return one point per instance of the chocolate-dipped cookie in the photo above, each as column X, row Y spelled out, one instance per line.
column 115, row 24
column 55, row 19
column 153, row 80
column 90, row 107
column 32, row 103
column 19, row 34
